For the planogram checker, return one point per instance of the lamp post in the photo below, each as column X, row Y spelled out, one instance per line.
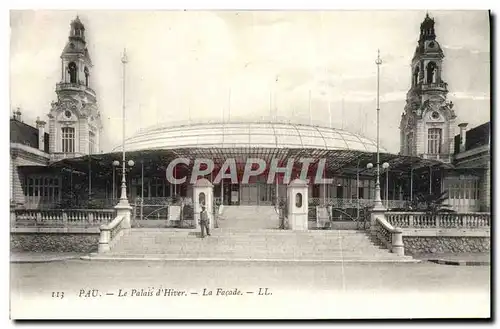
column 357, row 190
column 115, row 164
column 378, row 200
column 123, row 196
column 385, row 165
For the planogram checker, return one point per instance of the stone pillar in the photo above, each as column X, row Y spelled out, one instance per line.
column 124, row 210
column 397, row 242
column 203, row 194
column 104, row 238
column 41, row 134
column 298, row 204
column 375, row 212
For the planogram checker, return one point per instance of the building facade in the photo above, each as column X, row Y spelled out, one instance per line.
column 428, row 128
column 56, row 164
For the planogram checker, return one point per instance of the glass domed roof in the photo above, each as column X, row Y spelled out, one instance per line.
column 248, row 135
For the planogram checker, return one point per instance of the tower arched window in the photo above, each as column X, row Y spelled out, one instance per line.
column 415, row 75
column 68, row 139
column 87, row 74
column 72, row 72
column 431, row 72
column 434, row 138
column 409, row 144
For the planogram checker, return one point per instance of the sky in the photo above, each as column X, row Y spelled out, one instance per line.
column 230, row 65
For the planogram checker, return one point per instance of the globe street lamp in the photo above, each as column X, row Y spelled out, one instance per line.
column 378, row 199
column 123, row 197
column 115, row 164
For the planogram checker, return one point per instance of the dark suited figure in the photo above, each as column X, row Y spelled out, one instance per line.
column 204, row 222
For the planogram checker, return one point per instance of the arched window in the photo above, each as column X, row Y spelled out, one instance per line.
column 434, row 138
column 72, row 72
column 86, row 71
column 201, row 199
column 68, row 139
column 409, row 144
column 431, row 72
column 298, row 200
column 415, row 75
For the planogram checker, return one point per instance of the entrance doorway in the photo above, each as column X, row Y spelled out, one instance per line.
column 258, row 193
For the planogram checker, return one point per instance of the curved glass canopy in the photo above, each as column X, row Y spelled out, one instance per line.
column 243, row 135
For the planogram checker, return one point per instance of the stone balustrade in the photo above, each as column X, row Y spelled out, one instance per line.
column 109, row 233
column 389, row 235
column 353, row 203
column 439, row 220
column 61, row 217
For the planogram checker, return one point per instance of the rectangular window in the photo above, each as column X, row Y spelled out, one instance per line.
column 68, row 140
column 41, row 190
column 434, row 138
column 340, row 192
column 361, row 192
column 92, row 145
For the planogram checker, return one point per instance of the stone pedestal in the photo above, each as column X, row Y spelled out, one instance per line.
column 375, row 212
column 297, row 199
column 397, row 242
column 203, row 195
column 125, row 210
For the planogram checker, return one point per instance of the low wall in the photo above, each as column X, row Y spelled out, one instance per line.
column 425, row 241
column 337, row 225
column 187, row 223
column 54, row 240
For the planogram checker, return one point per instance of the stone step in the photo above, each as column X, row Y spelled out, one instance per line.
column 231, row 258
column 252, row 244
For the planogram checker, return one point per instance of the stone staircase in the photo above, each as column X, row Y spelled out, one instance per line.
column 243, row 244
column 248, row 218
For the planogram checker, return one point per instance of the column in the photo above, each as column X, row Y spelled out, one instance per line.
column 203, row 192
column 298, row 201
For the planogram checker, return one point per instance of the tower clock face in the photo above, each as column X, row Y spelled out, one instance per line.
column 435, row 115
column 67, row 114
column 431, row 45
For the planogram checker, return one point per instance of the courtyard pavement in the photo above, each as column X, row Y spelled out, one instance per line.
column 229, row 290
column 467, row 259
column 470, row 259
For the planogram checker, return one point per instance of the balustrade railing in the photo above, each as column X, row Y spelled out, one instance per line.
column 109, row 233
column 353, row 203
column 390, row 236
column 439, row 220
column 161, row 201
column 61, row 217
column 435, row 85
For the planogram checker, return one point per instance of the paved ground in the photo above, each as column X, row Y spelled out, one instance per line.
column 36, row 257
column 293, row 290
column 465, row 257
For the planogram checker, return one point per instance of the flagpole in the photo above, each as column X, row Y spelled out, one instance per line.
column 229, row 106
column 310, row 115
column 329, row 109
column 271, row 105
column 342, row 112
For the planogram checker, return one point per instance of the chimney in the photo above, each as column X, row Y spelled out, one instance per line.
column 41, row 134
column 463, row 134
column 17, row 114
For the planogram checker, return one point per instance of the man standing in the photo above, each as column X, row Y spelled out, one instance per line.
column 204, row 222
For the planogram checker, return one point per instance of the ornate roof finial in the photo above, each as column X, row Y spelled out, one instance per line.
column 124, row 57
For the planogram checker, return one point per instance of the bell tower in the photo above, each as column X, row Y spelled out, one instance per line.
column 74, row 119
column 428, row 121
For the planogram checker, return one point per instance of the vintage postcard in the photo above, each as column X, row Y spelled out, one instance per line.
column 184, row 164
